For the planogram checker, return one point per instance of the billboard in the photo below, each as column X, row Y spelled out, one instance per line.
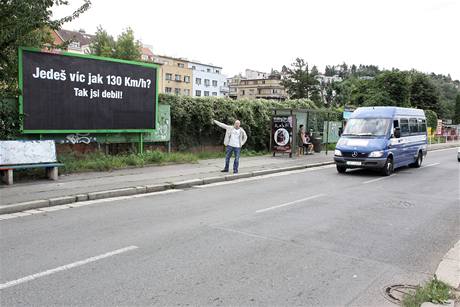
column 65, row 92
column 282, row 133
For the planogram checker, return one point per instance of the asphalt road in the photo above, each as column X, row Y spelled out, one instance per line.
column 310, row 237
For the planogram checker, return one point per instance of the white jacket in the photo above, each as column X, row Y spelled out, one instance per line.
column 228, row 133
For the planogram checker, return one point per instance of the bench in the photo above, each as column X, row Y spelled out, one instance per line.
column 28, row 154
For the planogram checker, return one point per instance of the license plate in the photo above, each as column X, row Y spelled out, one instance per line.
column 355, row 163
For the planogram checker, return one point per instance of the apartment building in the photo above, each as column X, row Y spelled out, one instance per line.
column 257, row 88
column 254, row 74
column 208, row 80
column 175, row 75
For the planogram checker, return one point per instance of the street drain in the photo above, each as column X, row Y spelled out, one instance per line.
column 396, row 293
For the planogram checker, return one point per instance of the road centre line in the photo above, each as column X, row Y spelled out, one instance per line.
column 378, row 179
column 290, row 203
column 65, row 267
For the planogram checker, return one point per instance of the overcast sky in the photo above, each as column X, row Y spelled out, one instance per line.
column 265, row 34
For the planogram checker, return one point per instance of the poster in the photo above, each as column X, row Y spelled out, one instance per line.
column 66, row 92
column 282, row 133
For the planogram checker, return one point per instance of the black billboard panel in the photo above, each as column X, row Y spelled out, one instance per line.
column 79, row 93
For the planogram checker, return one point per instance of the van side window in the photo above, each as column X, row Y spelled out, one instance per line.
column 422, row 126
column 404, row 123
column 413, row 126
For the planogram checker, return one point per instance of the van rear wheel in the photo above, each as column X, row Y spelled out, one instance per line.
column 388, row 168
column 341, row 169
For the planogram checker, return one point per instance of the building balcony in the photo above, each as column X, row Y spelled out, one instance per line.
column 224, row 89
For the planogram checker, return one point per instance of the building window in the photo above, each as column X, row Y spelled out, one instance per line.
column 74, row 45
column 197, row 93
column 168, row 90
column 177, row 91
column 181, row 65
column 187, row 79
column 242, row 92
column 214, row 93
column 198, row 82
column 214, row 82
column 178, row 77
column 168, row 76
column 193, row 67
column 208, row 69
column 225, row 83
column 206, row 93
column 217, row 71
column 206, row 82
column 186, row 92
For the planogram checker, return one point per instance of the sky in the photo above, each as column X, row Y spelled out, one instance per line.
column 265, row 34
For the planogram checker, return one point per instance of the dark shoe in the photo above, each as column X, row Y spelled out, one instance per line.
column 224, row 171
column 235, row 172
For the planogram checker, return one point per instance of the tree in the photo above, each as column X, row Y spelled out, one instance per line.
column 395, row 86
column 103, row 44
column 330, row 71
column 26, row 23
column 127, row 47
column 23, row 23
column 423, row 93
column 457, row 110
column 299, row 82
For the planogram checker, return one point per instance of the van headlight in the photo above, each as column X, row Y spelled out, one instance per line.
column 376, row 154
column 337, row 153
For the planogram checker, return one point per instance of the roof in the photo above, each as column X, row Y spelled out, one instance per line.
column 385, row 112
column 76, row 36
column 147, row 51
column 199, row 63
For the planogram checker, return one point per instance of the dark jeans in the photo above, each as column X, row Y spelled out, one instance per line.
column 228, row 154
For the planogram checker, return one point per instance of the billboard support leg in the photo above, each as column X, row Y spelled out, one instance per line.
column 141, row 143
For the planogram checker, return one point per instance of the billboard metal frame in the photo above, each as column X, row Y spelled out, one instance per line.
column 86, row 56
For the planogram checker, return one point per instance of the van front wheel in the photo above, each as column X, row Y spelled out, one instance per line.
column 418, row 161
column 341, row 169
column 388, row 168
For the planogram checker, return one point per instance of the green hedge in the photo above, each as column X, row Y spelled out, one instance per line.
column 191, row 119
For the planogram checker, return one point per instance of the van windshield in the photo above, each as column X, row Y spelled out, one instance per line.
column 367, row 127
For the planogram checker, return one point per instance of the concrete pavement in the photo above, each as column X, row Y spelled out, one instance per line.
column 306, row 237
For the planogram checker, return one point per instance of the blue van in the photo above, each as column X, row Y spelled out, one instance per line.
column 382, row 138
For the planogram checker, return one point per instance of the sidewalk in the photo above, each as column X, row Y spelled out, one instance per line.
column 93, row 185
column 75, row 184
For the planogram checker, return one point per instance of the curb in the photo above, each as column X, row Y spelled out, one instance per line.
column 69, row 199
column 65, row 200
column 448, row 270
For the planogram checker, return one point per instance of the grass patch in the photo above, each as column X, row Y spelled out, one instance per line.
column 74, row 163
column 434, row 291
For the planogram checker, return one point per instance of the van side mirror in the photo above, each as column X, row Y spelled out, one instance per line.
column 397, row 132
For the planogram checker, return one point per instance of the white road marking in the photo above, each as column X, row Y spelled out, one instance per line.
column 216, row 184
column 81, row 204
column 378, row 179
column 65, row 267
column 432, row 164
column 290, row 203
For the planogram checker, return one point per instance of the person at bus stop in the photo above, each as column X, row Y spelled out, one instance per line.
column 234, row 139
column 302, row 140
column 308, row 139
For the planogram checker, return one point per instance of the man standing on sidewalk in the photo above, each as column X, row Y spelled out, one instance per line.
column 235, row 137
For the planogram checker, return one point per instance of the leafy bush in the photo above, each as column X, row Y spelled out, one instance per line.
column 191, row 119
